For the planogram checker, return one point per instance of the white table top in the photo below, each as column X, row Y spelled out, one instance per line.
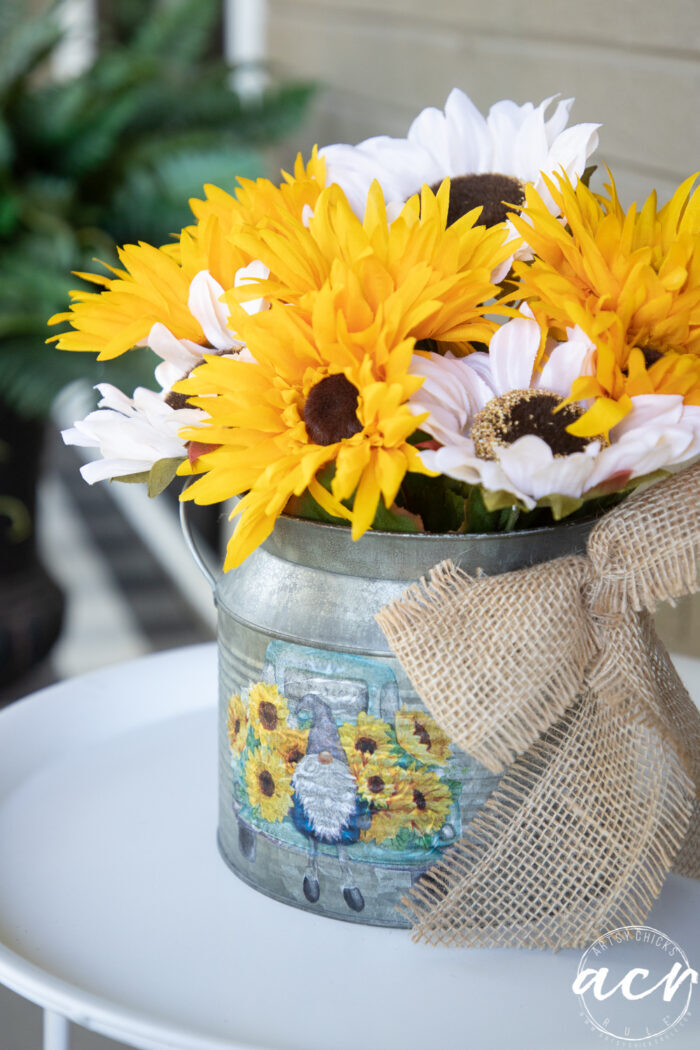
column 116, row 910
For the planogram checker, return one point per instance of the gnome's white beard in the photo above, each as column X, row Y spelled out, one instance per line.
column 326, row 793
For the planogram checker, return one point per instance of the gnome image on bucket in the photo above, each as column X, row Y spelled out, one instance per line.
column 338, row 791
column 327, row 807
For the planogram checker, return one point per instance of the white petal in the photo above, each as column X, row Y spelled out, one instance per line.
column 181, row 353
column 205, row 305
column 470, row 142
column 254, row 271
column 104, row 469
column 643, row 451
column 532, row 466
column 566, row 362
column 662, row 409
column 559, row 119
column 430, row 131
column 512, row 352
column 452, row 393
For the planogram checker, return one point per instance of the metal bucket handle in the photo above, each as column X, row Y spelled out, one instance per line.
column 191, row 544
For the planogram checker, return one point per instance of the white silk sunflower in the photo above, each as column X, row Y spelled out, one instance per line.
column 132, row 433
column 488, row 159
column 499, row 422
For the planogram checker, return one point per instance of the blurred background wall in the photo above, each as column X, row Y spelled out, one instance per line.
column 632, row 65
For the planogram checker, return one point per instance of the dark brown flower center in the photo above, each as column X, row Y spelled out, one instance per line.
column 522, row 412
column 267, row 713
column 267, row 783
column 651, row 355
column 177, row 400
column 237, row 727
column 294, row 756
column 375, row 784
column 419, row 799
column 330, row 411
column 422, row 733
column 366, row 745
column 488, row 189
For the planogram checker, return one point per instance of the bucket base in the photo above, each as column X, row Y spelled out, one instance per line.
column 369, row 896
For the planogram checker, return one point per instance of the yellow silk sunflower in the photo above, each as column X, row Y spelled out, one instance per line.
column 424, row 807
column 329, row 390
column 420, row 736
column 150, row 287
column 153, row 284
column 630, row 280
column 269, row 785
column 370, row 737
column 441, row 274
column 236, row 724
column 267, row 711
column 214, row 243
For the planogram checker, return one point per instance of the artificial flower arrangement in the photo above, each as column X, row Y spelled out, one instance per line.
column 449, row 332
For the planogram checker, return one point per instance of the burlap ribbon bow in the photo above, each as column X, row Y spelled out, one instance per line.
column 555, row 674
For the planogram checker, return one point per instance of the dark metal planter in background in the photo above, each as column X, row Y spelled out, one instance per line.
column 31, row 603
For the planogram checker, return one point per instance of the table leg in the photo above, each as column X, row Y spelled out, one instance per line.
column 56, row 1031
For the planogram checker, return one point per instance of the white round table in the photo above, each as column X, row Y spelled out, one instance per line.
column 117, row 913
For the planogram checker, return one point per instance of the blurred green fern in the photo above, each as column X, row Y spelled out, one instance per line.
column 109, row 156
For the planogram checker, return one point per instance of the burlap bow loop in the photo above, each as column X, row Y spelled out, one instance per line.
column 555, row 674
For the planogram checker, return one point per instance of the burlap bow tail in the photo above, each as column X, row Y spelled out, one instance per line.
column 555, row 674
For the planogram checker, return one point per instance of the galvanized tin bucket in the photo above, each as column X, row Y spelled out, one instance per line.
column 337, row 788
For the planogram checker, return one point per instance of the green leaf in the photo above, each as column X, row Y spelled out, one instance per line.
column 141, row 478
column 181, row 30
column 560, row 506
column 394, row 519
column 438, row 502
column 157, row 478
column 496, row 501
column 162, row 473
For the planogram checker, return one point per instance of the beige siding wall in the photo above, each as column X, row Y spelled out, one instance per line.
column 632, row 65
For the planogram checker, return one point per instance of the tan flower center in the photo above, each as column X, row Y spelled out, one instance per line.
column 521, row 412
column 267, row 713
column 330, row 410
column 488, row 189
column 267, row 783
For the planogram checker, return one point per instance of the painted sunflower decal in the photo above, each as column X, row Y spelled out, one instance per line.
column 268, row 712
column 381, row 781
column 424, row 807
column 236, row 725
column 370, row 738
column 269, row 785
column 421, row 737
column 291, row 745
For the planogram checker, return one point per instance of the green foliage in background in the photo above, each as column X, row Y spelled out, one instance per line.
column 110, row 156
